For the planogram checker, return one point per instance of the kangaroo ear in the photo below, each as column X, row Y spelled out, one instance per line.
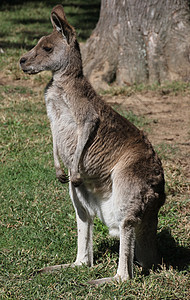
column 60, row 23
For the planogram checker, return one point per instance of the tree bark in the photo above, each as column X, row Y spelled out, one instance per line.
column 139, row 41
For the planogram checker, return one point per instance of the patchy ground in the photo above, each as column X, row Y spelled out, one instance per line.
column 169, row 121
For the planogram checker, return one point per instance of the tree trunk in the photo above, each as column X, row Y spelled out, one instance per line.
column 139, row 41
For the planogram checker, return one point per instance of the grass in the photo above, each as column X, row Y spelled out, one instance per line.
column 167, row 88
column 139, row 121
column 37, row 221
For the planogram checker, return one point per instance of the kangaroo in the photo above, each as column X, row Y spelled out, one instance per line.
column 114, row 172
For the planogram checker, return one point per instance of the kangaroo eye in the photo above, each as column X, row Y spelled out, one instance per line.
column 47, row 49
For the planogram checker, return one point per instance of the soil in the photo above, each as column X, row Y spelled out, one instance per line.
column 169, row 117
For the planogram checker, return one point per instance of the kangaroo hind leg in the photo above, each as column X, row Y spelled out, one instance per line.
column 146, row 251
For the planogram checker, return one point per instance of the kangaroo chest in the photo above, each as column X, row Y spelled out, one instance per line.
column 63, row 126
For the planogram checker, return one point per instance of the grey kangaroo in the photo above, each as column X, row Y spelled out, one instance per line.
column 114, row 172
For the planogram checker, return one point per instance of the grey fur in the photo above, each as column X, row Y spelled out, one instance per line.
column 114, row 171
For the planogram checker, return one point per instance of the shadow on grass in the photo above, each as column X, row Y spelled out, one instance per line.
column 172, row 253
column 84, row 20
column 106, row 246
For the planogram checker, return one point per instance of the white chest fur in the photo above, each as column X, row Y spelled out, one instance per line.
column 55, row 104
column 63, row 125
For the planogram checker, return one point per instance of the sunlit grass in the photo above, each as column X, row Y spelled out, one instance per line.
column 168, row 88
column 37, row 220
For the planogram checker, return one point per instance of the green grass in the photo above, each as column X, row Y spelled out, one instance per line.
column 140, row 121
column 37, row 220
column 22, row 25
column 167, row 88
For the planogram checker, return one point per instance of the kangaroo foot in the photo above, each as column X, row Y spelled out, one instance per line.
column 55, row 268
column 101, row 281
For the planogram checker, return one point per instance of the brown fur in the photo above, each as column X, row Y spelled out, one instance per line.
column 114, row 170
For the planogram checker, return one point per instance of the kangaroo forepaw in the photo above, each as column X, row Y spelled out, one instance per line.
column 76, row 179
column 62, row 176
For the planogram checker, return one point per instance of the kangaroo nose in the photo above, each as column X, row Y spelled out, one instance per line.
column 23, row 60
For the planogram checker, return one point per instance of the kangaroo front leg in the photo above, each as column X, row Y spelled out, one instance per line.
column 60, row 173
column 85, row 131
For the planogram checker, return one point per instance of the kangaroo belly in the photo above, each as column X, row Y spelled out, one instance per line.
column 100, row 205
column 105, row 212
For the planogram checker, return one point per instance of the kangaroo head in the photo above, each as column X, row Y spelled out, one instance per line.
column 53, row 52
